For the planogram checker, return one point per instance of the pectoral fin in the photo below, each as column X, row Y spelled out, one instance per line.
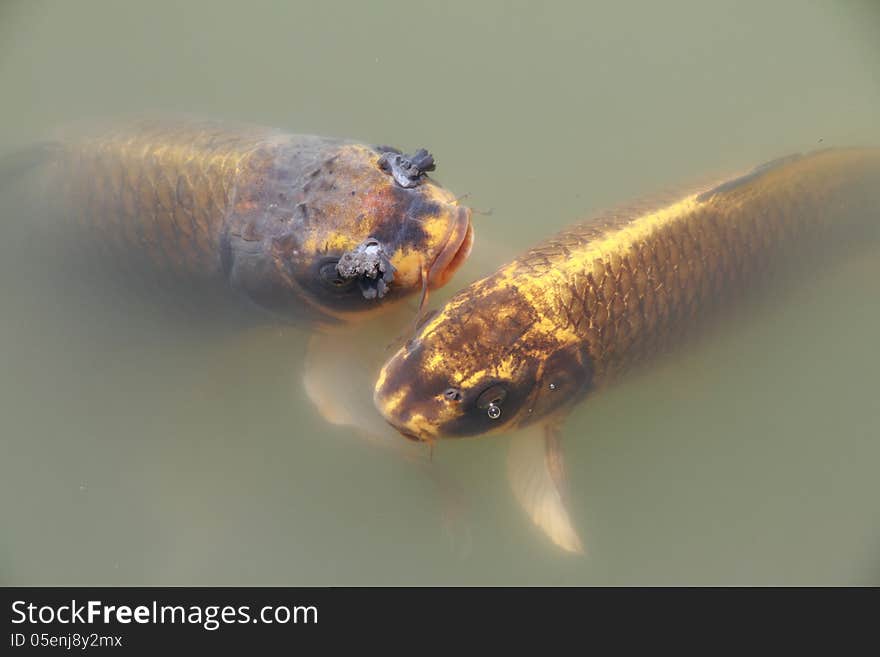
column 338, row 376
column 536, row 471
column 339, row 373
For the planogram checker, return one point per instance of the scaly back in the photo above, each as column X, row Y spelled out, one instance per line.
column 631, row 282
column 159, row 190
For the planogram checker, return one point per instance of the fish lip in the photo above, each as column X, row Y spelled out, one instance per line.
column 408, row 433
column 378, row 398
column 410, row 436
column 455, row 251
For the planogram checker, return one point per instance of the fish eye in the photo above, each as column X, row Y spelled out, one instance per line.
column 492, row 397
column 328, row 274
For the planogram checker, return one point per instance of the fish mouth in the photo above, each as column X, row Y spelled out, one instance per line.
column 454, row 252
column 409, row 436
column 389, row 403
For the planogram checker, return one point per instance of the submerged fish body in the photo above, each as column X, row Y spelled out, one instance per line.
column 259, row 211
column 515, row 350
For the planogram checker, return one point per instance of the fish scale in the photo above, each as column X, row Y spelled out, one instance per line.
column 607, row 294
column 213, row 209
column 160, row 189
column 641, row 292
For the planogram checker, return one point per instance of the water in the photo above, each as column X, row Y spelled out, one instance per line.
column 140, row 449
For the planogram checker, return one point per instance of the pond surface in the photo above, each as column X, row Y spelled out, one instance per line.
column 138, row 447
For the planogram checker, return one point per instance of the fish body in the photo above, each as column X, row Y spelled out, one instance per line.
column 572, row 313
column 515, row 350
column 262, row 212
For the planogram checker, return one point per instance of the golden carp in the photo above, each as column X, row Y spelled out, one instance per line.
column 306, row 227
column 517, row 349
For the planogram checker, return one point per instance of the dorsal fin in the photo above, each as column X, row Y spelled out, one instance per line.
column 619, row 215
column 754, row 174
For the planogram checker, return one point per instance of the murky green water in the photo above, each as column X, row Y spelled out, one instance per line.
column 136, row 448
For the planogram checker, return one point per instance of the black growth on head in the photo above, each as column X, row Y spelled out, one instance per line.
column 407, row 170
column 369, row 265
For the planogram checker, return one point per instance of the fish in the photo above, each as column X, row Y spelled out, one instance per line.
column 307, row 228
column 515, row 351
column 341, row 365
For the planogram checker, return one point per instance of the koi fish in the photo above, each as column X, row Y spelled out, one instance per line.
column 515, row 351
column 307, row 228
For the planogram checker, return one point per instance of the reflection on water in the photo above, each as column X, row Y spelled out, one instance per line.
column 142, row 445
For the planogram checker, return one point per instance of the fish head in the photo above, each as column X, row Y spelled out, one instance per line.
column 485, row 363
column 372, row 231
